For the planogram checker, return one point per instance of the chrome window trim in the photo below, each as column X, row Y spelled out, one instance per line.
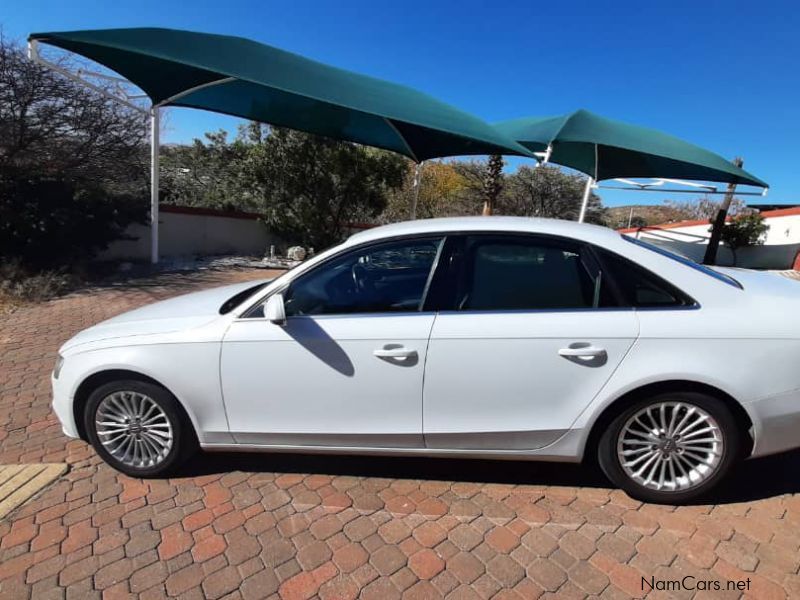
column 686, row 262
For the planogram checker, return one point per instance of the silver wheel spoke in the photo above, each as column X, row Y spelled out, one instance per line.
column 134, row 429
column 689, row 436
column 673, row 418
column 701, row 441
column 646, row 464
column 648, row 442
column 651, row 473
column 639, row 459
column 670, row 446
column 637, row 451
column 691, row 427
column 700, row 449
column 662, row 475
column 672, row 477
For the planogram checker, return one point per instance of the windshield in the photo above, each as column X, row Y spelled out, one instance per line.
column 685, row 261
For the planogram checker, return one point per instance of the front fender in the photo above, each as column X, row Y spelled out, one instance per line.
column 190, row 371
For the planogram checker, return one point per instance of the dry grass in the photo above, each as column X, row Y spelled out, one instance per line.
column 20, row 285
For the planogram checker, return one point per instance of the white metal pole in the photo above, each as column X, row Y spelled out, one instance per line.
column 586, row 193
column 154, row 155
column 417, row 184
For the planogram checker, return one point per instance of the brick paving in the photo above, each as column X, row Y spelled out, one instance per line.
column 244, row 526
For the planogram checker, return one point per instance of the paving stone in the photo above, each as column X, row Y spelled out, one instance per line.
column 251, row 529
column 388, row 559
column 465, row 567
column 425, row 564
column 505, row 570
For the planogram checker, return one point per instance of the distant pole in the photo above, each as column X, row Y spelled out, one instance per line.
column 155, row 141
column 585, row 202
column 417, row 185
column 719, row 222
column 630, row 218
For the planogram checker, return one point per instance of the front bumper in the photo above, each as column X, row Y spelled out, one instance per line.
column 62, row 406
column 776, row 423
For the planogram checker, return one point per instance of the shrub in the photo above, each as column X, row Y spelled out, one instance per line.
column 46, row 222
column 18, row 284
column 745, row 229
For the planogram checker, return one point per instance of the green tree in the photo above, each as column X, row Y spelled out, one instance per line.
column 441, row 186
column 312, row 187
column 208, row 173
column 48, row 222
column 547, row 191
column 746, row 229
column 52, row 127
column 72, row 165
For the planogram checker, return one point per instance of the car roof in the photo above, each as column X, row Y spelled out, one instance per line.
column 569, row 229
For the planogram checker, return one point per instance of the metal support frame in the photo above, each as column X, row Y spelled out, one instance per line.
column 153, row 112
column 587, row 192
column 35, row 56
column 657, row 186
column 417, row 184
column 544, row 158
column 155, row 146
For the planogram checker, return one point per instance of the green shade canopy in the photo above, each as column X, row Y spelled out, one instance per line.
column 607, row 149
column 247, row 79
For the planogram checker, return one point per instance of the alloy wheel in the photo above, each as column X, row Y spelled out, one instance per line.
column 134, row 429
column 670, row 446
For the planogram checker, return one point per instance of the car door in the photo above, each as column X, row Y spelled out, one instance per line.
column 346, row 368
column 530, row 336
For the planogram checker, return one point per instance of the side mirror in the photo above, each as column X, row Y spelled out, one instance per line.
column 274, row 310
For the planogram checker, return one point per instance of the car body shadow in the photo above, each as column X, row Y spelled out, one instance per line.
column 314, row 339
column 751, row 480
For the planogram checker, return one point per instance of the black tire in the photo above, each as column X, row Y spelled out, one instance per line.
column 610, row 462
column 184, row 440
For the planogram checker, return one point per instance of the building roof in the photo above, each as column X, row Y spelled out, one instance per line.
column 767, row 214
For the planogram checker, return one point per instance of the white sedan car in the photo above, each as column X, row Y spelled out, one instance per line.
column 488, row 337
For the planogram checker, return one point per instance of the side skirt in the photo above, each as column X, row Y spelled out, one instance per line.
column 566, row 449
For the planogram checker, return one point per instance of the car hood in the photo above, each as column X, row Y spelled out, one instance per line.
column 176, row 314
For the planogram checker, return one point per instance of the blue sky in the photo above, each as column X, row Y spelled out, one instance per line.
column 720, row 74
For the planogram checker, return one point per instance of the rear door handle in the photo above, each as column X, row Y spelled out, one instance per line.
column 582, row 352
column 400, row 352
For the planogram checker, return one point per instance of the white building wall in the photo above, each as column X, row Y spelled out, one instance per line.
column 783, row 230
column 780, row 249
column 183, row 235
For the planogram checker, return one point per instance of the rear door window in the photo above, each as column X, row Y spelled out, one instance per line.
column 637, row 286
column 527, row 273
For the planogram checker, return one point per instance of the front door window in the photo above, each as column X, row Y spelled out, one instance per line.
column 383, row 278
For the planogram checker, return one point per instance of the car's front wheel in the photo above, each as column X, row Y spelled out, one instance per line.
column 138, row 428
column 670, row 448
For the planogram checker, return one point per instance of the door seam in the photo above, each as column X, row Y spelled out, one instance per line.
column 424, row 372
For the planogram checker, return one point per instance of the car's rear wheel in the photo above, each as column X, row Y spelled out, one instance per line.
column 670, row 448
column 138, row 428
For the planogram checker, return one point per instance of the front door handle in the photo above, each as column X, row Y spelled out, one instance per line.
column 395, row 352
column 582, row 351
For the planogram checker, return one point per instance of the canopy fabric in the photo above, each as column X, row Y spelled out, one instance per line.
column 240, row 77
column 607, row 149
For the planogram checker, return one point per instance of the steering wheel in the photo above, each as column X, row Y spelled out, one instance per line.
column 362, row 279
